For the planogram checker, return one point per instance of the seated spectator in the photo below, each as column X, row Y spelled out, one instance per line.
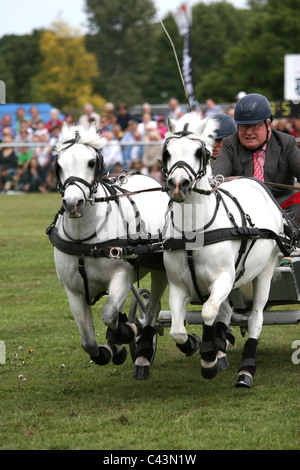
column 24, row 136
column 112, row 152
column 24, row 155
column 54, row 120
column 147, row 109
column 161, row 126
column 43, row 153
column 18, row 180
column 131, row 151
column 34, row 182
column 8, row 162
column 137, row 165
column 118, row 168
column 34, row 118
column 88, row 116
column 142, row 126
column 123, row 116
column 109, row 113
column 50, row 183
column 105, row 124
column 69, row 119
column 156, row 172
column 56, row 132
column 152, row 152
column 117, row 131
column 175, row 110
column 6, row 127
column 20, row 117
column 211, row 107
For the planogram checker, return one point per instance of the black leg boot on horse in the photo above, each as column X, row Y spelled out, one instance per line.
column 144, row 354
column 115, row 349
column 223, row 337
column 247, row 366
column 208, row 351
column 191, row 346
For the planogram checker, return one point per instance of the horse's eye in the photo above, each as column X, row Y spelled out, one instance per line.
column 92, row 163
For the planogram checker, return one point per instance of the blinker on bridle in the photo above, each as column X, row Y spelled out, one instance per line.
column 73, row 180
column 182, row 164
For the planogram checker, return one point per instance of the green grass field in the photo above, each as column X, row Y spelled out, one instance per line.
column 52, row 396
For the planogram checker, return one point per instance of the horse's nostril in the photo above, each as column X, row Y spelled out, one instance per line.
column 73, row 207
column 171, row 183
column 186, row 184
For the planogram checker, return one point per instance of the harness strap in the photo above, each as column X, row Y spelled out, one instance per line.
column 82, row 272
column 193, row 274
column 229, row 233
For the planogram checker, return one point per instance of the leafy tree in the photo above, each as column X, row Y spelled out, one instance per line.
column 122, row 39
column 256, row 63
column 67, row 70
column 19, row 63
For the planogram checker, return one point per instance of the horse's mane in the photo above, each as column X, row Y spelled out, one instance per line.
column 204, row 129
column 86, row 136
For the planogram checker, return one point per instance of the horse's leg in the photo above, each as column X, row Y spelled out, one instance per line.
column 223, row 337
column 119, row 288
column 178, row 299
column 119, row 331
column 82, row 313
column 144, row 349
column 261, row 289
column 220, row 290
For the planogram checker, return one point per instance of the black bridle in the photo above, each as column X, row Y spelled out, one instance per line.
column 202, row 153
column 73, row 180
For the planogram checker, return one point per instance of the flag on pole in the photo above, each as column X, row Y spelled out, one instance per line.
column 183, row 19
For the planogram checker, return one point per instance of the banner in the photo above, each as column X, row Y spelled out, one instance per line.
column 292, row 77
column 183, row 19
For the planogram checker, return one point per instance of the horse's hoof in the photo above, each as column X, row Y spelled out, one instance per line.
column 141, row 372
column 223, row 363
column 120, row 357
column 243, row 381
column 210, row 372
column 103, row 357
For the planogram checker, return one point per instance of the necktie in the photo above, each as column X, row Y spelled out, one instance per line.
column 257, row 169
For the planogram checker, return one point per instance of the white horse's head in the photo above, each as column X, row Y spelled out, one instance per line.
column 186, row 153
column 78, row 166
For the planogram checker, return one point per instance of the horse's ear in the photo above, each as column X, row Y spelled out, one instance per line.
column 65, row 131
column 171, row 124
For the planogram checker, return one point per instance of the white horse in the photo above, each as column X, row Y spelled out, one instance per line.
column 213, row 244
column 97, row 221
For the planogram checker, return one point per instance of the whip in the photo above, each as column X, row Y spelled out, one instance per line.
column 179, row 69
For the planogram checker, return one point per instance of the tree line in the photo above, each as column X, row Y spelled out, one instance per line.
column 126, row 56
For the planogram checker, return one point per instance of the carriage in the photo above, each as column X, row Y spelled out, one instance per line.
column 112, row 231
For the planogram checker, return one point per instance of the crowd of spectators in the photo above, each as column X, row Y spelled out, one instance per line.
column 133, row 142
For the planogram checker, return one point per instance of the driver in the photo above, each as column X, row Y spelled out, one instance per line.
column 257, row 150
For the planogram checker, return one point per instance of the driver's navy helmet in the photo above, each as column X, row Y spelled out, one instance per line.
column 252, row 109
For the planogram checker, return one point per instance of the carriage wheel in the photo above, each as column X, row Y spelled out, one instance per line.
column 136, row 315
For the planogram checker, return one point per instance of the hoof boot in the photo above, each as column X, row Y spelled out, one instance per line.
column 210, row 372
column 223, row 363
column 120, row 357
column 244, row 381
column 103, row 357
column 141, row 372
